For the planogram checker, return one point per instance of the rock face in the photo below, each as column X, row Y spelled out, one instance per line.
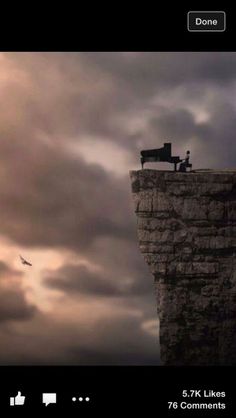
column 187, row 235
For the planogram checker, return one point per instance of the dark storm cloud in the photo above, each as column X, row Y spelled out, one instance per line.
column 145, row 72
column 123, row 265
column 121, row 342
column 108, row 282
column 81, row 279
column 214, row 137
column 59, row 200
column 13, row 303
column 13, row 306
column 178, row 123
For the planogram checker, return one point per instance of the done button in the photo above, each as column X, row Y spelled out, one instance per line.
column 206, row 21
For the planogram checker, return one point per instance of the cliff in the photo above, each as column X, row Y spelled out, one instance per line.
column 187, row 234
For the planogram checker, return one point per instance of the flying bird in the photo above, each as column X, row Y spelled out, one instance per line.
column 25, row 262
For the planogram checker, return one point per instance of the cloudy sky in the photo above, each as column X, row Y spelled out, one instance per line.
column 71, row 128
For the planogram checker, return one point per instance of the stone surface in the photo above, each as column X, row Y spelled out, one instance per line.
column 186, row 225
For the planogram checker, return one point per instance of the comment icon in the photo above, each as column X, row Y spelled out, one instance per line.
column 49, row 398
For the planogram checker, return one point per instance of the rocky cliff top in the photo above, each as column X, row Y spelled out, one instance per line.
column 200, row 175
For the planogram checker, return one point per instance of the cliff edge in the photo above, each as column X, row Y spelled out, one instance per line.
column 187, row 234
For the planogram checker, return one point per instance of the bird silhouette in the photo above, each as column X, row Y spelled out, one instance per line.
column 25, row 262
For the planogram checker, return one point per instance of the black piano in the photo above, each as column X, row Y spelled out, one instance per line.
column 161, row 154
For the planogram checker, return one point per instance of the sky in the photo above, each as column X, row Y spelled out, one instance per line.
column 71, row 127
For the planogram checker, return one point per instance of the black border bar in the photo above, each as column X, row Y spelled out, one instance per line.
column 113, row 389
column 142, row 28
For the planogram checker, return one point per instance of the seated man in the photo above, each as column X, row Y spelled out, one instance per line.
column 185, row 162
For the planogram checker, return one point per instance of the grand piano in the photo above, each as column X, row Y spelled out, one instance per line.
column 161, row 154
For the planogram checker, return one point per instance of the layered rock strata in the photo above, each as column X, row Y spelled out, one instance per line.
column 186, row 226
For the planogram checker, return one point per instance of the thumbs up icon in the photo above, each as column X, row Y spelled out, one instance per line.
column 17, row 400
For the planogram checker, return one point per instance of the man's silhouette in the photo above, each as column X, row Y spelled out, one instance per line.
column 185, row 162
